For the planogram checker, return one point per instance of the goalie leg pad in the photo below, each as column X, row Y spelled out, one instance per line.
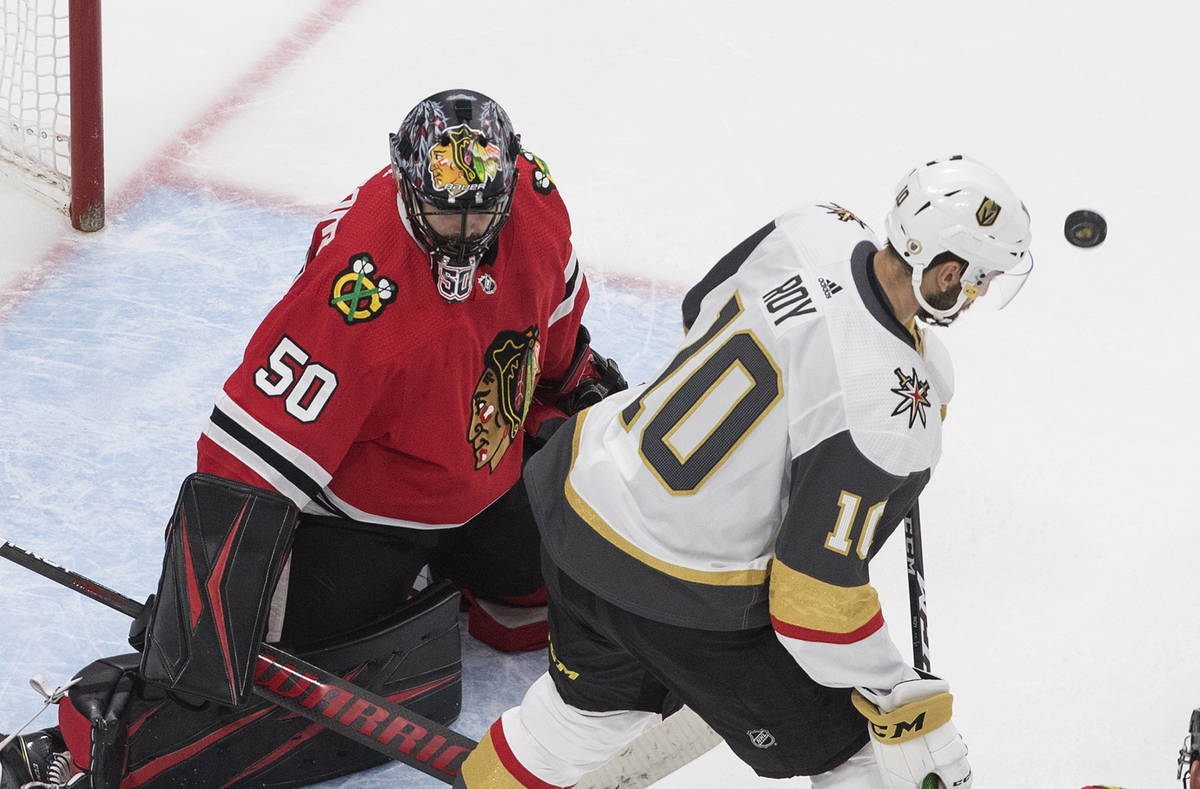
column 93, row 718
column 166, row 741
column 508, row 628
column 226, row 543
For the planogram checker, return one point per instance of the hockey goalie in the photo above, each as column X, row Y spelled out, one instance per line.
column 368, row 445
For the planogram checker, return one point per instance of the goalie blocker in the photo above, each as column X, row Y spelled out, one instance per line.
column 180, row 714
column 226, row 543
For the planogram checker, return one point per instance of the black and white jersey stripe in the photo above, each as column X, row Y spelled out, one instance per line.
column 573, row 275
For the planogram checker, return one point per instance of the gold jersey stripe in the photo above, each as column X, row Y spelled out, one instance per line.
column 917, row 335
column 805, row 602
column 598, row 524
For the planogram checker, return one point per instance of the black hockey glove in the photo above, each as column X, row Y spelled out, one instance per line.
column 592, row 390
column 589, row 379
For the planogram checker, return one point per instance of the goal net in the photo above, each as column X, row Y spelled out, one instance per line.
column 51, row 134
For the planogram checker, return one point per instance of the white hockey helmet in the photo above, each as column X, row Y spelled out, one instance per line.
column 959, row 205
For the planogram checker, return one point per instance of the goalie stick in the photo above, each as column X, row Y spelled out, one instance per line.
column 305, row 689
column 404, row 735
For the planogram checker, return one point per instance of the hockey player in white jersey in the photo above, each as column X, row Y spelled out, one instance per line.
column 707, row 535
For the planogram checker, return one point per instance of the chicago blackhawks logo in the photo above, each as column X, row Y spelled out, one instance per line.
column 913, row 397
column 463, row 160
column 502, row 395
column 356, row 295
column 542, row 182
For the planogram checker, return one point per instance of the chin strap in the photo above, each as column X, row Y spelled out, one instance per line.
column 939, row 317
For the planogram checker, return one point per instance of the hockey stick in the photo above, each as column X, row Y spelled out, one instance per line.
column 681, row 738
column 916, row 604
column 305, row 689
column 916, row 587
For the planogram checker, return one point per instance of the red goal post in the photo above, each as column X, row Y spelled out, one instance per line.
column 51, row 122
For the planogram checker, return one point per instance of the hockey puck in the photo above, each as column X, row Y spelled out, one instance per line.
column 1085, row 228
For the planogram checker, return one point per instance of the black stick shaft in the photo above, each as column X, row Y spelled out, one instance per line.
column 317, row 694
column 85, row 586
column 916, row 588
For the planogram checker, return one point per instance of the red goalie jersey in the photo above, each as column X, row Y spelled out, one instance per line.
column 365, row 395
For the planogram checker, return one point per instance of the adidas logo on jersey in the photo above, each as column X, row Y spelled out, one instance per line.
column 828, row 287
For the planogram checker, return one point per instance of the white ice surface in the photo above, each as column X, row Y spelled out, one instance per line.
column 1059, row 534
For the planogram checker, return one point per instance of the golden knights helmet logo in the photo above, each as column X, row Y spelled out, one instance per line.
column 502, row 395
column 987, row 213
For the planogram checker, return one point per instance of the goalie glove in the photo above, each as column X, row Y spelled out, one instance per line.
column 589, row 379
column 912, row 736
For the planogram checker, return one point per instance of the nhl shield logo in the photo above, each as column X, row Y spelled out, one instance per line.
column 761, row 738
column 987, row 212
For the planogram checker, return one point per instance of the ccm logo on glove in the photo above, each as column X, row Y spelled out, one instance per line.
column 908, row 722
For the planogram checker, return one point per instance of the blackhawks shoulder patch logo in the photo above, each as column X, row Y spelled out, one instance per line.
column 913, row 397
column 542, row 182
column 511, row 365
column 357, row 295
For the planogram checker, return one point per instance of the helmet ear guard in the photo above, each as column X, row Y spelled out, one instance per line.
column 960, row 206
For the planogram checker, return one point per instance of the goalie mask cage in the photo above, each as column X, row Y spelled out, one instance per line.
column 51, row 129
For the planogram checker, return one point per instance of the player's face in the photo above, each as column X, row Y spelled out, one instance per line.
column 488, row 431
column 450, row 224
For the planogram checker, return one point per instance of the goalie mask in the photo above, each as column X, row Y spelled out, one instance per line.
column 454, row 162
column 958, row 205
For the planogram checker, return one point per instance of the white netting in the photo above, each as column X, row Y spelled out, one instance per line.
column 35, row 122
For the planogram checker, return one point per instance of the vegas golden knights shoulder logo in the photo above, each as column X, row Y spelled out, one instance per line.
column 914, row 397
column 987, row 212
